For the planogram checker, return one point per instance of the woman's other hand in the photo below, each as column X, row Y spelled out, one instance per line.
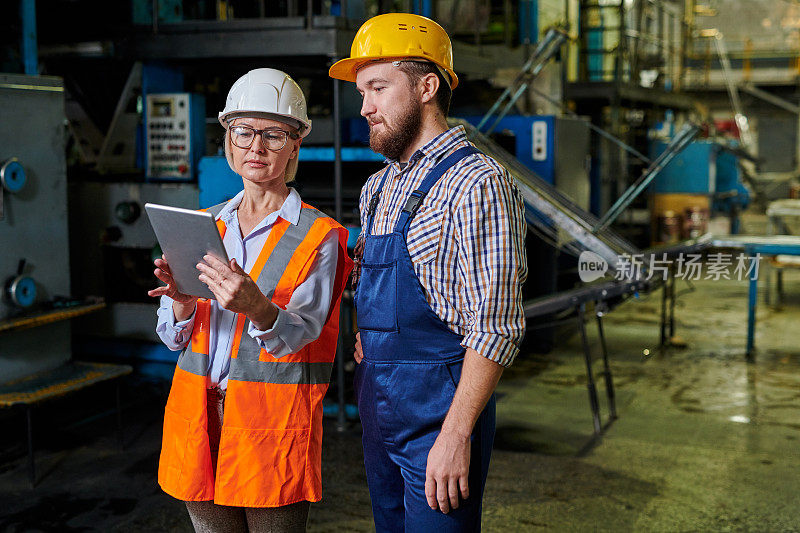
column 183, row 304
column 236, row 291
column 164, row 273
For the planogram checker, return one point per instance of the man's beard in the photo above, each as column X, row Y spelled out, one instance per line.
column 394, row 141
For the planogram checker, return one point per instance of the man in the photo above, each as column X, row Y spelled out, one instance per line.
column 441, row 263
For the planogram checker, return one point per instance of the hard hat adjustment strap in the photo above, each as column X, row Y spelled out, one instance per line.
column 445, row 75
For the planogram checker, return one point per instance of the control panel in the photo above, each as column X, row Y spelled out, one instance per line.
column 174, row 129
column 539, row 137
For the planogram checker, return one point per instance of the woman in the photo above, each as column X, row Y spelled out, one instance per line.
column 243, row 422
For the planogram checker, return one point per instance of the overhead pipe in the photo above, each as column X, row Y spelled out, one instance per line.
column 30, row 53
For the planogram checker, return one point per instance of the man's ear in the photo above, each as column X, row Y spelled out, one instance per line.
column 430, row 84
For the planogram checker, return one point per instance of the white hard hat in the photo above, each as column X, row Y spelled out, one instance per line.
column 267, row 93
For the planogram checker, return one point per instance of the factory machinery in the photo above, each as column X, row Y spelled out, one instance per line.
column 36, row 363
column 35, row 258
column 160, row 153
column 553, row 180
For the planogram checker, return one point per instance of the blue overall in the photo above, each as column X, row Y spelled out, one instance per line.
column 406, row 381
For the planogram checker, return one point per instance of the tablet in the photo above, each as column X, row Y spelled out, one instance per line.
column 185, row 236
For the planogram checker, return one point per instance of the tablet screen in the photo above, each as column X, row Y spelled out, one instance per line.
column 185, row 236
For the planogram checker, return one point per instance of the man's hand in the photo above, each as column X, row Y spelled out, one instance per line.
column 236, row 291
column 359, row 353
column 447, row 472
column 446, row 475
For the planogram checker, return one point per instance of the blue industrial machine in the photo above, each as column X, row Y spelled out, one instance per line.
column 116, row 261
column 218, row 183
column 171, row 139
column 174, row 130
column 731, row 196
column 693, row 171
column 704, row 167
column 555, row 148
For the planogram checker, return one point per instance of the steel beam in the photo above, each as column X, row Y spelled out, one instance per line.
column 327, row 42
column 770, row 98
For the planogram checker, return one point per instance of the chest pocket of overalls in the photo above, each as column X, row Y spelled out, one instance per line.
column 377, row 309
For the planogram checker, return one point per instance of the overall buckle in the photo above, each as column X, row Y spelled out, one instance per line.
column 413, row 202
column 373, row 203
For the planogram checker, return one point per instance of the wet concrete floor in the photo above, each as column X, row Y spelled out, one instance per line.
column 704, row 440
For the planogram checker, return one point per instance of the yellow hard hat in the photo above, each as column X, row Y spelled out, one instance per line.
column 397, row 36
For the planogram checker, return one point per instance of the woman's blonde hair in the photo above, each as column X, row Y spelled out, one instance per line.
column 291, row 165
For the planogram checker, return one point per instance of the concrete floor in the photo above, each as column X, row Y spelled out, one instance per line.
column 704, row 440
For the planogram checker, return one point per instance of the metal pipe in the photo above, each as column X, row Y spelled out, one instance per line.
column 739, row 117
column 30, row 54
column 426, row 8
column 506, row 22
column 120, row 433
column 31, row 464
column 672, row 301
column 587, row 356
column 341, row 420
column 770, row 98
column 612, row 404
column 476, row 14
column 664, row 297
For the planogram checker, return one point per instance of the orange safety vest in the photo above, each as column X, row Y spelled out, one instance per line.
column 270, row 451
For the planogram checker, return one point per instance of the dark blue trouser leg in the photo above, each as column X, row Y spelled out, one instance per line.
column 467, row 518
column 383, row 475
column 385, row 488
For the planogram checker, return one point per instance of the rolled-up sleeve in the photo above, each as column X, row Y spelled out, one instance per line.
column 307, row 311
column 175, row 335
column 492, row 266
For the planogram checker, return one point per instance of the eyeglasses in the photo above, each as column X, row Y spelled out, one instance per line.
column 273, row 139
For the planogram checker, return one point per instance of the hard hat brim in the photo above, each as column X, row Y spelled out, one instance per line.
column 346, row 69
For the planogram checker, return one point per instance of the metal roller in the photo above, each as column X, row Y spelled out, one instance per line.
column 21, row 291
column 12, row 175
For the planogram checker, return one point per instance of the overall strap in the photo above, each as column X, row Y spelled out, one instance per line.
column 416, row 197
column 373, row 203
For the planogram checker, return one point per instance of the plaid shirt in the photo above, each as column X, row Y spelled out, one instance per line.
column 467, row 242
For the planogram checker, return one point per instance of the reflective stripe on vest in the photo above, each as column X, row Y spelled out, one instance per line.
column 245, row 363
